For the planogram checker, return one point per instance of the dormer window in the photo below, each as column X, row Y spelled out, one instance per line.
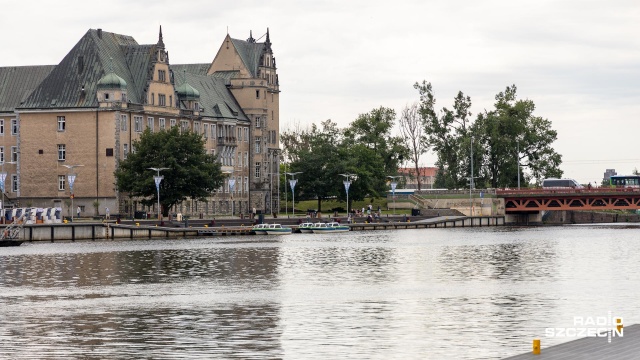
column 162, row 75
column 106, row 96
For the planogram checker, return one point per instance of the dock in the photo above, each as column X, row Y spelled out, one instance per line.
column 626, row 347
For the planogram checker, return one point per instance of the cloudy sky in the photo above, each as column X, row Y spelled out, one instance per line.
column 579, row 61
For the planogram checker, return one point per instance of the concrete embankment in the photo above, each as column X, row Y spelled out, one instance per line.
column 588, row 217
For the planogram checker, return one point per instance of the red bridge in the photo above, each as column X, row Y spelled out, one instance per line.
column 534, row 200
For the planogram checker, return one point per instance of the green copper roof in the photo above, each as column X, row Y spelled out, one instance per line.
column 111, row 81
column 187, row 92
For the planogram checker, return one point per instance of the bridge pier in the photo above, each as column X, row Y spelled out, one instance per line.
column 523, row 218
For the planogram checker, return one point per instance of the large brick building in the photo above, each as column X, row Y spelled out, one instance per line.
column 108, row 89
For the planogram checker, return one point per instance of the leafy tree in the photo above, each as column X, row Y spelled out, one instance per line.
column 447, row 132
column 512, row 127
column 318, row 162
column 373, row 130
column 415, row 139
column 191, row 173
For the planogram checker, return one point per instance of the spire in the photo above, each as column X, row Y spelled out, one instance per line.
column 268, row 41
column 160, row 42
column 251, row 39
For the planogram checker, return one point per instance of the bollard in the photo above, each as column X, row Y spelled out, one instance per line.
column 536, row 346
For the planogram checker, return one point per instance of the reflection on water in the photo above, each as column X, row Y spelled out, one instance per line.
column 435, row 293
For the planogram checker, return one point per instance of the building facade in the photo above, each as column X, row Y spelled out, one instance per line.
column 83, row 115
column 410, row 181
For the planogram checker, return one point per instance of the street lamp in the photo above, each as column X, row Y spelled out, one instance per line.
column 3, row 177
column 393, row 190
column 158, row 179
column 72, row 179
column 292, row 182
column 347, row 184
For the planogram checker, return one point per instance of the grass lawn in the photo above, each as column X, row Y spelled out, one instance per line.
column 327, row 205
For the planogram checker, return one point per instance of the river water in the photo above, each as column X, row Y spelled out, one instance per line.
column 465, row 293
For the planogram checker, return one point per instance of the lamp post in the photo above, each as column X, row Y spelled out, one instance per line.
column 158, row 179
column 232, row 184
column 393, row 190
column 292, row 182
column 3, row 177
column 71, row 177
column 347, row 184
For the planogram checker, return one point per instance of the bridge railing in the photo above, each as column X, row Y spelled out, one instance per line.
column 594, row 190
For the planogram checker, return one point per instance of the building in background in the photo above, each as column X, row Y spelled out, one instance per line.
column 108, row 89
column 608, row 173
column 427, row 177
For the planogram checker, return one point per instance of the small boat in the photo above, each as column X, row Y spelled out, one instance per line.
column 306, row 227
column 277, row 229
column 330, row 228
column 260, row 229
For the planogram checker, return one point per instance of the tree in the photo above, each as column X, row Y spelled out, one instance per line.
column 318, row 162
column 511, row 134
column 191, row 173
column 412, row 130
column 447, row 131
column 373, row 130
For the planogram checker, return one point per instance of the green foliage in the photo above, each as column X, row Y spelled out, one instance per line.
column 495, row 137
column 191, row 173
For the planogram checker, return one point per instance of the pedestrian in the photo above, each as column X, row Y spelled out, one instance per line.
column 78, row 211
column 106, row 213
column 254, row 213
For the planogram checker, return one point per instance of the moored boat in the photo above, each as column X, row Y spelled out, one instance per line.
column 330, row 227
column 4, row 243
column 277, row 229
column 306, row 227
column 260, row 229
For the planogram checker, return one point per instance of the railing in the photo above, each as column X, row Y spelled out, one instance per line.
column 569, row 191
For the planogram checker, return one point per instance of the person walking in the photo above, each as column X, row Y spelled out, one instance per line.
column 106, row 213
column 78, row 211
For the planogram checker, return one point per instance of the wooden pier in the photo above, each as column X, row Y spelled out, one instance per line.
column 626, row 347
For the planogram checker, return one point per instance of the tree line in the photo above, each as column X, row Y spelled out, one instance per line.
column 506, row 144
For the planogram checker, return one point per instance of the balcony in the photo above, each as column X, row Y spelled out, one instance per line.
column 227, row 140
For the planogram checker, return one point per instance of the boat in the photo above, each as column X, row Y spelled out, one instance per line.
column 260, row 229
column 330, row 228
column 306, row 227
column 277, row 229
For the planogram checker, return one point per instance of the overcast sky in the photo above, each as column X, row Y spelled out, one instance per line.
column 579, row 61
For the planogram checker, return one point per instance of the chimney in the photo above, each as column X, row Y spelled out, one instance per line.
column 100, row 33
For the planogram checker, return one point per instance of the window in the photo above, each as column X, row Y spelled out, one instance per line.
column 162, row 75
column 196, row 127
column 246, row 134
column 1, row 127
column 162, row 99
column 172, row 122
column 61, row 123
column 184, row 125
column 106, row 96
column 257, row 142
column 125, row 151
column 1, row 154
column 161, row 123
column 246, row 159
column 257, row 94
column 14, row 126
column 138, row 123
column 153, row 99
column 14, row 183
column 239, row 159
column 14, row 154
column 62, row 152
column 239, row 134
column 170, row 100
column 213, row 131
column 109, row 152
column 257, row 170
column 246, row 184
column 150, row 123
column 205, row 130
column 258, row 122
column 123, row 122
column 61, row 182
